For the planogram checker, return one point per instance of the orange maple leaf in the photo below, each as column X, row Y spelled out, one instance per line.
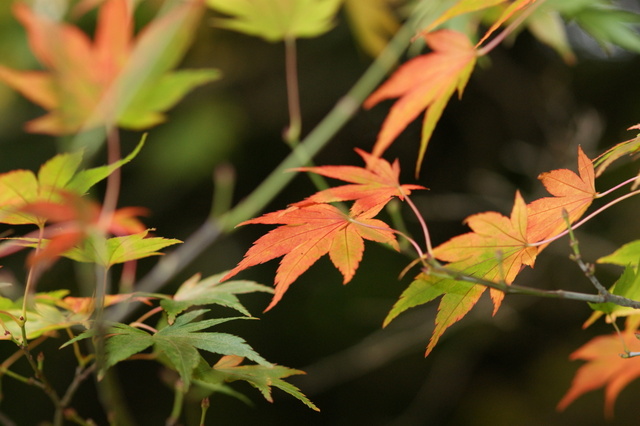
column 372, row 186
column 571, row 192
column 427, row 81
column 308, row 233
column 91, row 83
column 605, row 367
column 500, row 242
column 73, row 218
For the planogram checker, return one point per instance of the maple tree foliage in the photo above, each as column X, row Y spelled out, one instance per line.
column 427, row 81
column 113, row 79
column 499, row 247
column 118, row 79
column 312, row 228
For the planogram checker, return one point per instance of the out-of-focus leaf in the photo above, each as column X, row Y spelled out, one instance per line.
column 119, row 249
column 58, row 175
column 605, row 367
column 276, row 20
column 113, row 79
column 373, row 23
column 611, row 26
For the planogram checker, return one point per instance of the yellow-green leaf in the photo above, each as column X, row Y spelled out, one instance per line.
column 276, row 20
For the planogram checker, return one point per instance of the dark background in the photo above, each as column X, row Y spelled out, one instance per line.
column 524, row 112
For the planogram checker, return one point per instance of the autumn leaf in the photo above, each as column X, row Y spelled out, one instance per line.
column 426, row 82
column 372, row 187
column 308, row 233
column 372, row 22
column 571, row 192
column 496, row 250
column 501, row 243
column 113, row 79
column 276, row 20
column 605, row 367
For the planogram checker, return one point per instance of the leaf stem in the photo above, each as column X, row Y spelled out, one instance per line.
column 292, row 133
column 423, row 225
column 620, row 185
column 112, row 191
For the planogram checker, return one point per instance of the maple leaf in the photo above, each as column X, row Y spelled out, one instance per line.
column 372, row 22
column 263, row 378
column 112, row 79
column 605, row 367
column 372, row 187
column 500, row 242
column 427, row 81
column 276, row 20
column 197, row 292
column 58, row 175
column 177, row 344
column 571, row 192
column 72, row 219
column 496, row 250
column 308, row 233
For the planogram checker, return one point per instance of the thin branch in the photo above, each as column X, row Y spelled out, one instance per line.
column 437, row 270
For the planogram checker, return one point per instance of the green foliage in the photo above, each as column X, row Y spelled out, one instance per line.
column 119, row 249
column 124, row 76
column 209, row 291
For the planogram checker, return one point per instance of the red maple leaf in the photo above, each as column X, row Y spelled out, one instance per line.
column 308, row 233
column 372, row 187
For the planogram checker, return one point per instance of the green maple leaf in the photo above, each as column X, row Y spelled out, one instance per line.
column 177, row 345
column 262, row 377
column 276, row 20
column 119, row 249
column 627, row 255
column 196, row 292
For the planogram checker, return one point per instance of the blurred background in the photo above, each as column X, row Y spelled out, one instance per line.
column 524, row 112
